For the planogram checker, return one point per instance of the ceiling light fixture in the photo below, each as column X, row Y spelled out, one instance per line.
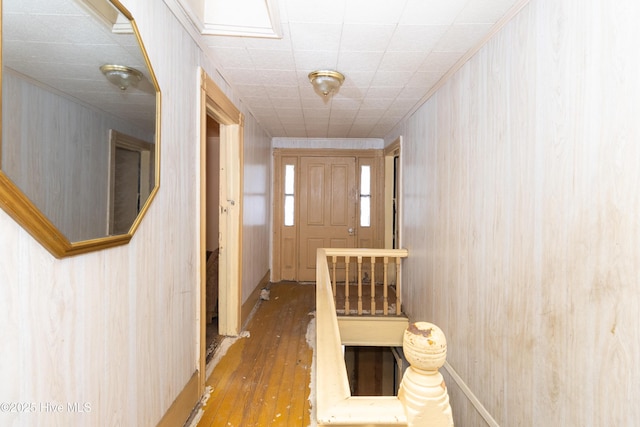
column 121, row 76
column 326, row 81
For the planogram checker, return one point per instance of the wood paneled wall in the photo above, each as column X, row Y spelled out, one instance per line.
column 118, row 328
column 521, row 211
column 256, row 234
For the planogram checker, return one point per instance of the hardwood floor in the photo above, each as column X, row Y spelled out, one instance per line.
column 263, row 379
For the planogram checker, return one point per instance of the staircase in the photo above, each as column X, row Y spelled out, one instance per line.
column 366, row 283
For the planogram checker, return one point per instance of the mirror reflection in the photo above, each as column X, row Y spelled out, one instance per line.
column 78, row 114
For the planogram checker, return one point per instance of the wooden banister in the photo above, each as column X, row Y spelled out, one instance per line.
column 422, row 399
column 422, row 390
column 344, row 257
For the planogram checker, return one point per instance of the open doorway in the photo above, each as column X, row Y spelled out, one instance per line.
column 212, row 252
column 218, row 112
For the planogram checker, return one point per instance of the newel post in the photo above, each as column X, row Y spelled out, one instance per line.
column 422, row 390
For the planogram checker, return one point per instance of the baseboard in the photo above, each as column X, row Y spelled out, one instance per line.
column 180, row 410
column 250, row 303
column 484, row 413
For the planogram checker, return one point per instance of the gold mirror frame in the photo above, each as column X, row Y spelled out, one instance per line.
column 23, row 211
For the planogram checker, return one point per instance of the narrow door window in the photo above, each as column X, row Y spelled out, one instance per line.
column 365, row 196
column 289, row 195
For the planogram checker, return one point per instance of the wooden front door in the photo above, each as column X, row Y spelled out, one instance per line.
column 328, row 198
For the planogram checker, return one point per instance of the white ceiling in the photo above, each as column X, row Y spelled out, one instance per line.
column 391, row 52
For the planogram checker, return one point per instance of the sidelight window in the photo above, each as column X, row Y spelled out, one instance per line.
column 365, row 196
column 289, row 195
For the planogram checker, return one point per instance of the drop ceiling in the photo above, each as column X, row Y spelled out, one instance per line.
column 393, row 54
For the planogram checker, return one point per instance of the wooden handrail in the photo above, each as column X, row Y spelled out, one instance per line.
column 334, row 403
column 422, row 399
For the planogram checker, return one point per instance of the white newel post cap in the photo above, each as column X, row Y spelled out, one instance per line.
column 425, row 346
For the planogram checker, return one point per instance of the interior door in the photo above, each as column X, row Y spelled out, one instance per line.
column 126, row 190
column 327, row 208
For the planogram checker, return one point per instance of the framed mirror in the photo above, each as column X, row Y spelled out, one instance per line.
column 80, row 123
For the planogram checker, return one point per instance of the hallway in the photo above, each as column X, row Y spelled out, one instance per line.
column 263, row 379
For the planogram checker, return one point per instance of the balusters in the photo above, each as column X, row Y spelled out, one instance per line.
column 373, row 286
column 360, row 286
column 334, row 261
column 385, row 286
column 347, row 260
column 398, row 290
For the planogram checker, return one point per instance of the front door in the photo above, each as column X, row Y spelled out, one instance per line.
column 328, row 200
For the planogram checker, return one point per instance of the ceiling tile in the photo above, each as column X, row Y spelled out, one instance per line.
column 358, row 79
column 376, row 103
column 288, row 115
column 391, row 78
column 407, row 61
column 359, row 60
column 487, row 11
column 424, row 80
column 338, row 131
column 315, row 101
column 384, row 91
column 282, row 91
column 276, row 77
column 352, row 92
column 341, row 120
column 252, row 90
column 361, row 12
column 316, row 114
column 326, row 11
column 366, row 37
column 286, row 102
column 416, row 37
column 431, row 12
column 310, row 60
column 272, row 59
column 344, row 103
column 399, row 105
column 296, row 131
column 315, row 36
column 440, row 62
column 369, row 115
column 410, row 93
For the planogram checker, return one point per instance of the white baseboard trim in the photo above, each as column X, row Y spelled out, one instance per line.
column 484, row 413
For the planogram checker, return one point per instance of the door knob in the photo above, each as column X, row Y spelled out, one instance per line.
column 351, row 231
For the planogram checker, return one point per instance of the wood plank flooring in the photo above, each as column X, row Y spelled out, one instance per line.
column 263, row 380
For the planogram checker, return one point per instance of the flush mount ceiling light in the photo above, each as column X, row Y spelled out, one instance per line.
column 326, row 81
column 121, row 76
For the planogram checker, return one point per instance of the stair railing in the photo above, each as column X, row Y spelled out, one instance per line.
column 422, row 398
column 369, row 270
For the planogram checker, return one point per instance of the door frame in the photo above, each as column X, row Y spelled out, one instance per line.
column 392, row 178
column 215, row 104
column 146, row 171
